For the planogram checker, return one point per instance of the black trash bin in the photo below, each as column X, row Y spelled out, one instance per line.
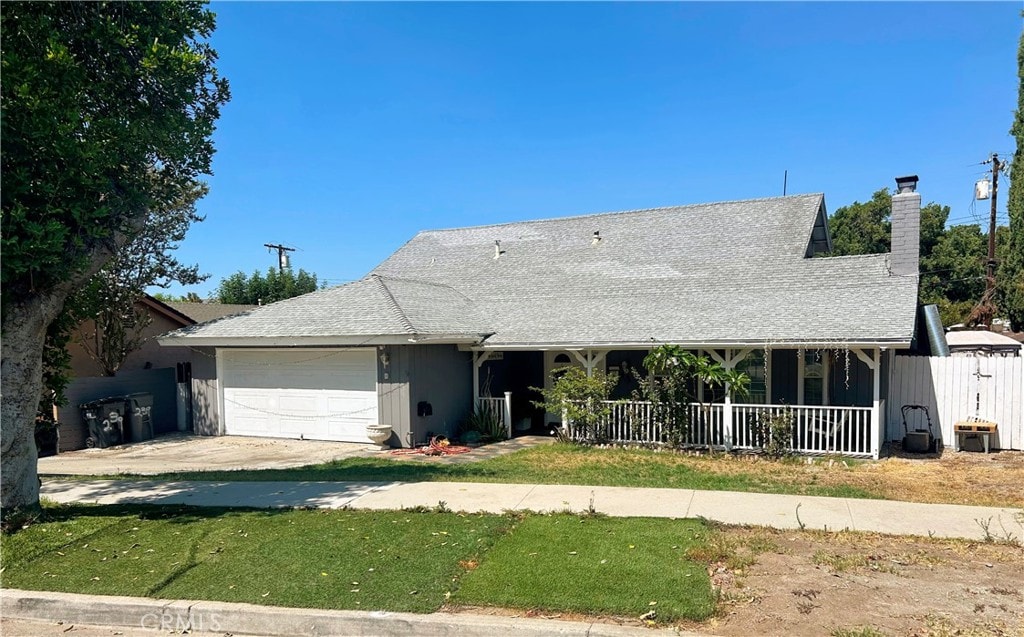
column 104, row 419
column 139, row 409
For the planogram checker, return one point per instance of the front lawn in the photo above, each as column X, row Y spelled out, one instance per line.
column 586, row 564
column 955, row 478
column 366, row 560
column 555, row 464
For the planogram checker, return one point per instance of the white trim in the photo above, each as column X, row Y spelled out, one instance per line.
column 218, row 360
column 313, row 341
column 876, row 405
column 646, row 345
column 479, row 358
column 864, row 357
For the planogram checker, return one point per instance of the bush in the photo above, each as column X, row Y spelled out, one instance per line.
column 774, row 433
column 581, row 400
column 482, row 425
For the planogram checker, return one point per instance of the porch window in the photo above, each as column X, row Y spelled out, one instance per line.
column 815, row 378
column 754, row 367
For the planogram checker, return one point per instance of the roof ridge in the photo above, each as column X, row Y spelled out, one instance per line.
column 399, row 312
column 409, row 280
column 434, row 284
column 623, row 212
column 873, row 255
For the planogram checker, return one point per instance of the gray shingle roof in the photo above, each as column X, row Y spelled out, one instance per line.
column 732, row 272
column 373, row 306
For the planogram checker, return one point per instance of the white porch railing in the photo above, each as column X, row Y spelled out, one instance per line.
column 816, row 430
column 500, row 408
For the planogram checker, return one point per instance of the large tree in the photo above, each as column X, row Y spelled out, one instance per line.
column 1011, row 271
column 257, row 289
column 108, row 115
column 865, row 228
column 113, row 322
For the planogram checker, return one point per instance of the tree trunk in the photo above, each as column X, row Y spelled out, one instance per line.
column 24, row 327
column 21, row 377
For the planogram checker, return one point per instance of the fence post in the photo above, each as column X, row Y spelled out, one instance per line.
column 727, row 420
column 507, row 413
column 876, row 406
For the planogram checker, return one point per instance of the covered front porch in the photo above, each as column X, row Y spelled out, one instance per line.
column 833, row 394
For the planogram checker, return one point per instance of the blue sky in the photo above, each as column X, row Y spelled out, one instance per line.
column 352, row 126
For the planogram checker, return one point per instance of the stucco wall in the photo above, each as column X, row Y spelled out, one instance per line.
column 149, row 356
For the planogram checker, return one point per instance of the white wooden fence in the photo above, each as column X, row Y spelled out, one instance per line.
column 955, row 388
column 816, row 430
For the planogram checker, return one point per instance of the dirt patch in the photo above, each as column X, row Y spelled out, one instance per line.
column 816, row 583
column 848, row 585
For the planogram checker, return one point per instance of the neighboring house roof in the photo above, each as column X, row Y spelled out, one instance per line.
column 981, row 340
column 172, row 313
column 203, row 312
column 737, row 273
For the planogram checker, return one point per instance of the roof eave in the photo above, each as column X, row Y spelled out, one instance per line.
column 319, row 341
column 725, row 344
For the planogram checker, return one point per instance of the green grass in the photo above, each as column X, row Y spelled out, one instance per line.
column 365, row 560
column 550, row 464
column 622, row 566
column 400, row 561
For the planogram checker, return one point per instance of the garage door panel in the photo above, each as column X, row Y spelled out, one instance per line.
column 310, row 394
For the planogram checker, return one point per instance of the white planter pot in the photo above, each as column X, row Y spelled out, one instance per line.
column 378, row 434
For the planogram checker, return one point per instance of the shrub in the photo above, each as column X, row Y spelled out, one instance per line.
column 482, row 425
column 774, row 433
column 581, row 400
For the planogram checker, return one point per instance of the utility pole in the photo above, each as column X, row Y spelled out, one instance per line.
column 282, row 254
column 985, row 310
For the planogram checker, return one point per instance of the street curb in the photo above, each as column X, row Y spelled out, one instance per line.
column 252, row 619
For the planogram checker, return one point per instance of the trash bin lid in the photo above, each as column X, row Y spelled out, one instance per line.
column 93, row 404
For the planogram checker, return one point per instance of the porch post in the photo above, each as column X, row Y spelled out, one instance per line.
column 876, row 411
column 478, row 360
column 508, row 414
column 727, row 407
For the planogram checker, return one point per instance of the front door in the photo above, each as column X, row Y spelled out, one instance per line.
column 554, row 360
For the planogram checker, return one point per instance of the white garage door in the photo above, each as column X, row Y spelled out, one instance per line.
column 313, row 394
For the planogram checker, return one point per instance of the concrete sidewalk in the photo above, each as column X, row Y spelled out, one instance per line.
column 778, row 511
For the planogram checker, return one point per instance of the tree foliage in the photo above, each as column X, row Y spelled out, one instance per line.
column 671, row 383
column 1011, row 272
column 582, row 401
column 108, row 112
column 108, row 115
column 866, row 228
column 107, row 307
column 257, row 289
column 952, row 259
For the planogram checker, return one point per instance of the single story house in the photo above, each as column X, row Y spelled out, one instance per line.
column 480, row 315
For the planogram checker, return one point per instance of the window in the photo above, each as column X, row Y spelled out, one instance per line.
column 754, row 367
column 815, row 377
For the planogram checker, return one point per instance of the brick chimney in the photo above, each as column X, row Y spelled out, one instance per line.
column 906, row 228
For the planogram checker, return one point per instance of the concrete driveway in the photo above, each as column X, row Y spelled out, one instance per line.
column 178, row 452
